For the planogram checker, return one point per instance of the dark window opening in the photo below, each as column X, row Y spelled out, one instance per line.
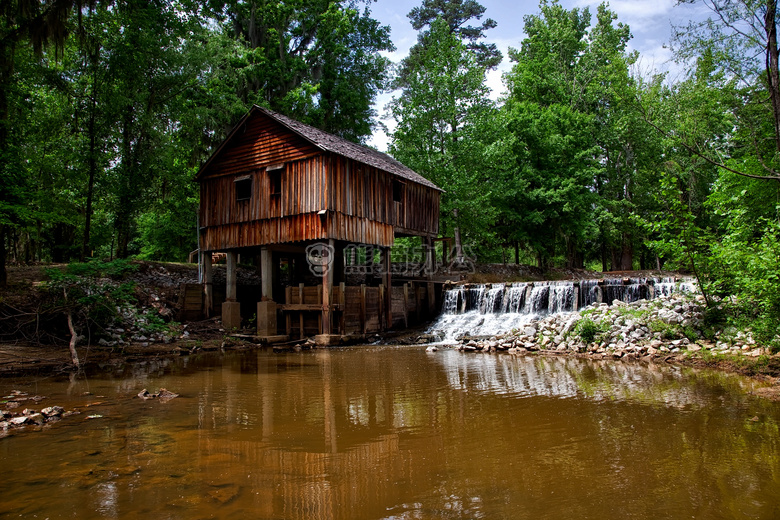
column 398, row 191
column 243, row 188
column 275, row 179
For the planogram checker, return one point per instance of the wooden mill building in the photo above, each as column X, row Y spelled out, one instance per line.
column 309, row 206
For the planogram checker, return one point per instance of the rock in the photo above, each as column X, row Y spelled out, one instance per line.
column 530, row 331
column 53, row 411
column 18, row 421
column 693, row 347
column 432, row 348
column 163, row 395
column 36, row 418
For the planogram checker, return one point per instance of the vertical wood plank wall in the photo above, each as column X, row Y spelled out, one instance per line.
column 357, row 198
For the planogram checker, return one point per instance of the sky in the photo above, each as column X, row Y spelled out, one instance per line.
column 650, row 22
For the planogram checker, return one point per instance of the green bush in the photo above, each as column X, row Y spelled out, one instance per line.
column 589, row 330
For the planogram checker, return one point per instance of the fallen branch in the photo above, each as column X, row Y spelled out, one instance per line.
column 74, row 338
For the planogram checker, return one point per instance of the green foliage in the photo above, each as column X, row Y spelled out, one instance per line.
column 96, row 269
column 577, row 145
column 93, row 292
column 589, row 330
column 443, row 131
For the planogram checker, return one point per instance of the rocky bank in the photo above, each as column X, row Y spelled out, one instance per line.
column 669, row 327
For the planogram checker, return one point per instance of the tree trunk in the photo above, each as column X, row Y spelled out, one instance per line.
column 517, row 253
column 458, row 244
column 3, row 273
column 627, row 254
column 74, row 337
column 92, row 170
column 772, row 68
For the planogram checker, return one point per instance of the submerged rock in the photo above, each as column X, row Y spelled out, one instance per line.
column 163, row 395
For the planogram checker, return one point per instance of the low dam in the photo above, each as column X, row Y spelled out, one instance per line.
column 488, row 309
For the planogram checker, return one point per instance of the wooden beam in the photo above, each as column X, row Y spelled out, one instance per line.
column 327, row 287
column 208, row 289
column 230, row 289
column 363, row 308
column 300, row 315
column 266, row 274
column 309, row 307
column 341, row 303
column 388, row 283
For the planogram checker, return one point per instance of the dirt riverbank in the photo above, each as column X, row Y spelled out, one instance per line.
column 156, row 286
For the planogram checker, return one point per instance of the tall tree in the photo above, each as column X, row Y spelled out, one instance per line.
column 741, row 35
column 22, row 23
column 316, row 60
column 457, row 14
column 577, row 141
column 440, row 115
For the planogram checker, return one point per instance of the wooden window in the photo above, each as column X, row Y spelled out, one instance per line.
column 398, row 191
column 243, row 188
column 275, row 179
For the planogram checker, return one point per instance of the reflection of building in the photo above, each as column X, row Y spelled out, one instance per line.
column 307, row 445
column 296, row 197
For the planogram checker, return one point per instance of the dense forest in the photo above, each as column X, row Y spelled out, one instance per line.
column 107, row 109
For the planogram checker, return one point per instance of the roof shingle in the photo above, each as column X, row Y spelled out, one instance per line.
column 341, row 146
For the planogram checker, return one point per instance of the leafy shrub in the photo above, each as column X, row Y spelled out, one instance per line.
column 589, row 330
column 98, row 269
column 668, row 331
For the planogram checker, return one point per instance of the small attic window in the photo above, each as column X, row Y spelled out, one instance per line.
column 275, row 178
column 398, row 191
column 243, row 188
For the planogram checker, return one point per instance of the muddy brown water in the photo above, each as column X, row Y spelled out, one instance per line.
column 396, row 433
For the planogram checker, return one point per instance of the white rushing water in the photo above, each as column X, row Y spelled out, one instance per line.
column 487, row 310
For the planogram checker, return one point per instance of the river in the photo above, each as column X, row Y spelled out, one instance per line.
column 395, row 433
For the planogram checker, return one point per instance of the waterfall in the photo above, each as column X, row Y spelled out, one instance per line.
column 487, row 310
column 667, row 286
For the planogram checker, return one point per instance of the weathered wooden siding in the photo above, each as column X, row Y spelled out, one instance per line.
column 364, row 191
column 261, row 142
column 296, row 228
column 357, row 198
column 303, row 191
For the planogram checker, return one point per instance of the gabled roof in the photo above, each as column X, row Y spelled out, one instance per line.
column 331, row 143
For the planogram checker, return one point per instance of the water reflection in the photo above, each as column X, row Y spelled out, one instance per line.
column 397, row 433
column 566, row 377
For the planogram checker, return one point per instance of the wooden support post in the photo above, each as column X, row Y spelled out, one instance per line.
column 576, row 303
column 266, row 274
column 388, row 282
column 363, row 320
column 418, row 298
column 231, row 309
column 406, row 305
column 382, row 313
column 327, row 286
column 430, row 258
column 342, row 301
column 208, row 288
column 230, row 289
column 288, row 314
column 300, row 314
column 319, row 316
column 431, row 299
